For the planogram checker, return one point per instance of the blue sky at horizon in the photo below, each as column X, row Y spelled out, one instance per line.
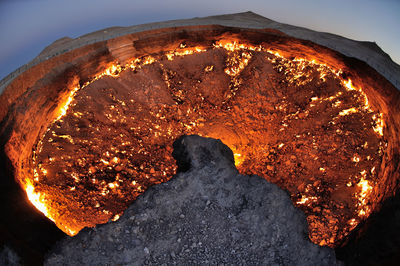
column 28, row 26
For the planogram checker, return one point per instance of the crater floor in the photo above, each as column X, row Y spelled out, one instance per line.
column 293, row 122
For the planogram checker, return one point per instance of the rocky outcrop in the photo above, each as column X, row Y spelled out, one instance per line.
column 207, row 215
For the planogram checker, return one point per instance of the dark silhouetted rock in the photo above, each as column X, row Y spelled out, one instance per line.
column 209, row 214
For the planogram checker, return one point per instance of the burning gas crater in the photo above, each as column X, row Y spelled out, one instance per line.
column 298, row 123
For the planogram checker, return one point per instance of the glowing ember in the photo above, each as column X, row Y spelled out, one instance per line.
column 362, row 196
column 295, row 122
column 64, row 107
column 37, row 199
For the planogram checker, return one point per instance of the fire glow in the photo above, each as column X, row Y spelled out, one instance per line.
column 37, row 199
column 128, row 166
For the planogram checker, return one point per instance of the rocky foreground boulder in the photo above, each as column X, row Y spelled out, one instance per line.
column 207, row 214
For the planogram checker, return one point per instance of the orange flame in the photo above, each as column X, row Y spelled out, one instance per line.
column 37, row 199
column 366, row 190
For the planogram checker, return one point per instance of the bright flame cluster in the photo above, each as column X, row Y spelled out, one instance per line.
column 363, row 196
column 38, row 199
column 183, row 51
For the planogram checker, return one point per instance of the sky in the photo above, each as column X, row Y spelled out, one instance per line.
column 28, row 26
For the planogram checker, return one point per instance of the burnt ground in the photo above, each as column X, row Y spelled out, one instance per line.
column 208, row 215
column 292, row 123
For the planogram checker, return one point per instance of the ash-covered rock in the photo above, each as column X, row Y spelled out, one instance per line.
column 209, row 214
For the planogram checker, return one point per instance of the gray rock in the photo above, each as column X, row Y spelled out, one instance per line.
column 8, row 257
column 209, row 214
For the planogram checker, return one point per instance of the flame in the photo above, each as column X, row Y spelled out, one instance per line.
column 349, row 85
column 113, row 71
column 363, row 195
column 236, row 62
column 115, row 218
column 37, row 199
column 64, row 106
column 304, row 199
column 378, row 125
column 351, row 110
column 232, row 46
column 239, row 158
column 183, row 52
column 296, row 71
